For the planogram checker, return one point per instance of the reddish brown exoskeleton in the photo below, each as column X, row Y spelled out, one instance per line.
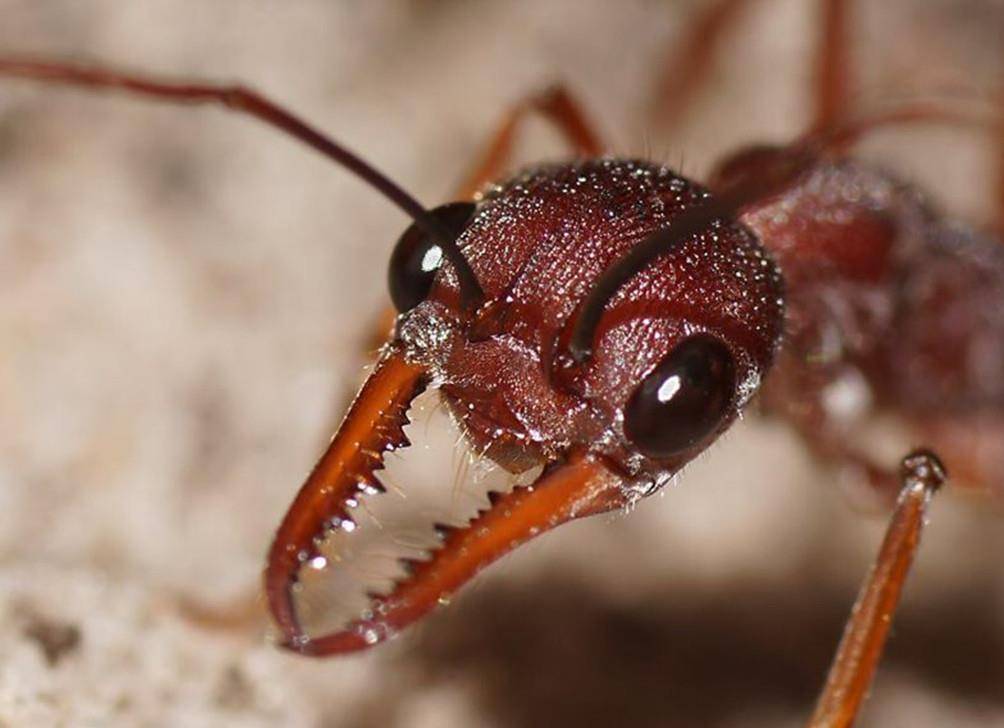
column 605, row 320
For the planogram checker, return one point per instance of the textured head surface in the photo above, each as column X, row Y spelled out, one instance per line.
column 537, row 244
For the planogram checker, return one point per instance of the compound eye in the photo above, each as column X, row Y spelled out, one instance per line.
column 417, row 257
column 683, row 400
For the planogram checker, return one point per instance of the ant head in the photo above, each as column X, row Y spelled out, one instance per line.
column 678, row 350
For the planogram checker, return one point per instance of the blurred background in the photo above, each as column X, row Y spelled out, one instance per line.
column 186, row 299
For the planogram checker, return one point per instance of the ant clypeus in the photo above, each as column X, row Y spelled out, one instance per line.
column 606, row 320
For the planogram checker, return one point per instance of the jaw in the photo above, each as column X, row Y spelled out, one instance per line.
column 510, row 411
column 579, row 486
column 574, row 484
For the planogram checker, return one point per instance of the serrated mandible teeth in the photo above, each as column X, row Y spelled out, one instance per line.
column 374, row 422
column 582, row 485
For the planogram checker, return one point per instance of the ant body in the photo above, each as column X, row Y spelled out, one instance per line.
column 608, row 319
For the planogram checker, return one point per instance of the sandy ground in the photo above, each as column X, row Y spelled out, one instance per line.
column 184, row 297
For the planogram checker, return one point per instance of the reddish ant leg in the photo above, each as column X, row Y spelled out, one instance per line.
column 1000, row 161
column 870, row 486
column 556, row 105
column 850, row 676
column 832, row 81
column 687, row 70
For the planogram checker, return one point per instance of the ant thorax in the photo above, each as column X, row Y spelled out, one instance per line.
column 537, row 244
column 889, row 307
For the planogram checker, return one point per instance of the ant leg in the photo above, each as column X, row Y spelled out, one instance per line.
column 873, row 487
column 1000, row 162
column 868, row 486
column 554, row 104
column 242, row 614
column 686, row 71
column 850, row 676
column 832, row 80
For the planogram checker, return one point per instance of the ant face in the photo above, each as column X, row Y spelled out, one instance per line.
column 678, row 352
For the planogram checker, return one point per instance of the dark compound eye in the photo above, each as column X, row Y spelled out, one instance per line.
column 683, row 399
column 417, row 258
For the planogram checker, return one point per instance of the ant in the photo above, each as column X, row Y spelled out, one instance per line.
column 606, row 320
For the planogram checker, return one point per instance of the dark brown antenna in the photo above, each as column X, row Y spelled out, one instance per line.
column 783, row 170
column 249, row 102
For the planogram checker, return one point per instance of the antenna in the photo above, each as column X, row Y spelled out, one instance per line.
column 249, row 102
